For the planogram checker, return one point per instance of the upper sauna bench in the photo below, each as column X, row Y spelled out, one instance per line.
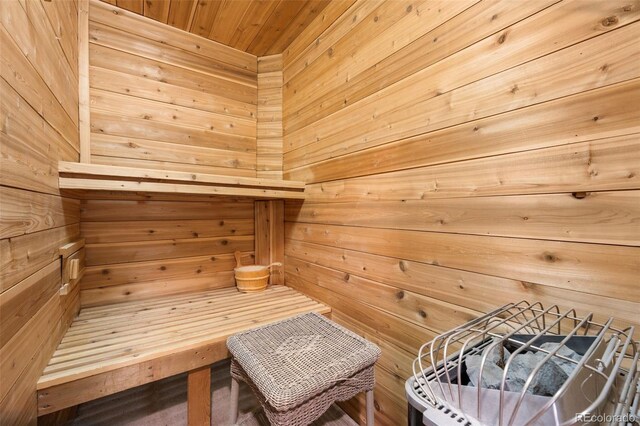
column 83, row 179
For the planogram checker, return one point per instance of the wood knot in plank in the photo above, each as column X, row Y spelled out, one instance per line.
column 579, row 195
column 526, row 285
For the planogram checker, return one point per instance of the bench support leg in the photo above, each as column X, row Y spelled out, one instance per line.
column 233, row 407
column 370, row 408
column 199, row 397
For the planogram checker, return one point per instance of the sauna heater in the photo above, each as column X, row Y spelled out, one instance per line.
column 524, row 364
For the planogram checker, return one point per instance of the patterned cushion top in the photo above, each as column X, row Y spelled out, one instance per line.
column 293, row 360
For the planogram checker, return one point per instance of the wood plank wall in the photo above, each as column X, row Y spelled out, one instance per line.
column 461, row 155
column 269, row 132
column 38, row 127
column 163, row 98
column 137, row 249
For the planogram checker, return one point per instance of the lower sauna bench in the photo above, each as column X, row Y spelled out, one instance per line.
column 108, row 349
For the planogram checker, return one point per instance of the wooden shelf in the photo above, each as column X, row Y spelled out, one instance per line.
column 79, row 177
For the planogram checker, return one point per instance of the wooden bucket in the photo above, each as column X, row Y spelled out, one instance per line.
column 252, row 278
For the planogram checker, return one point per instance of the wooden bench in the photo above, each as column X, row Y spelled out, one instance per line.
column 111, row 348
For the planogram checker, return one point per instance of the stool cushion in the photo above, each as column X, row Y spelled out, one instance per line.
column 295, row 359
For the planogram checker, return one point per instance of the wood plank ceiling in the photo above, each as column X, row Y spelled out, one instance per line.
column 260, row 27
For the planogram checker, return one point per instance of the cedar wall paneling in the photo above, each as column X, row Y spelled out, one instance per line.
column 269, row 132
column 38, row 127
column 162, row 98
column 461, row 155
column 137, row 249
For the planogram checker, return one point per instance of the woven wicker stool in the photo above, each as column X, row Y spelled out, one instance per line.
column 300, row 366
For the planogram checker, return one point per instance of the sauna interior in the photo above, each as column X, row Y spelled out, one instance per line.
column 412, row 164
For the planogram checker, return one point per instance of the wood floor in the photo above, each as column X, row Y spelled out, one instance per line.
column 165, row 403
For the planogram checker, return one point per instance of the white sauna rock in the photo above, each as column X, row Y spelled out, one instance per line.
column 565, row 351
column 491, row 374
column 547, row 380
column 492, row 371
column 494, row 355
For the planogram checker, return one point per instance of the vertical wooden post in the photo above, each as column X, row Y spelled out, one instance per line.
column 277, row 240
column 262, row 231
column 269, row 236
column 199, row 397
column 84, row 116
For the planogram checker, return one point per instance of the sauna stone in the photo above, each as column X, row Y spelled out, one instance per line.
column 492, row 371
column 565, row 351
column 547, row 381
column 550, row 377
